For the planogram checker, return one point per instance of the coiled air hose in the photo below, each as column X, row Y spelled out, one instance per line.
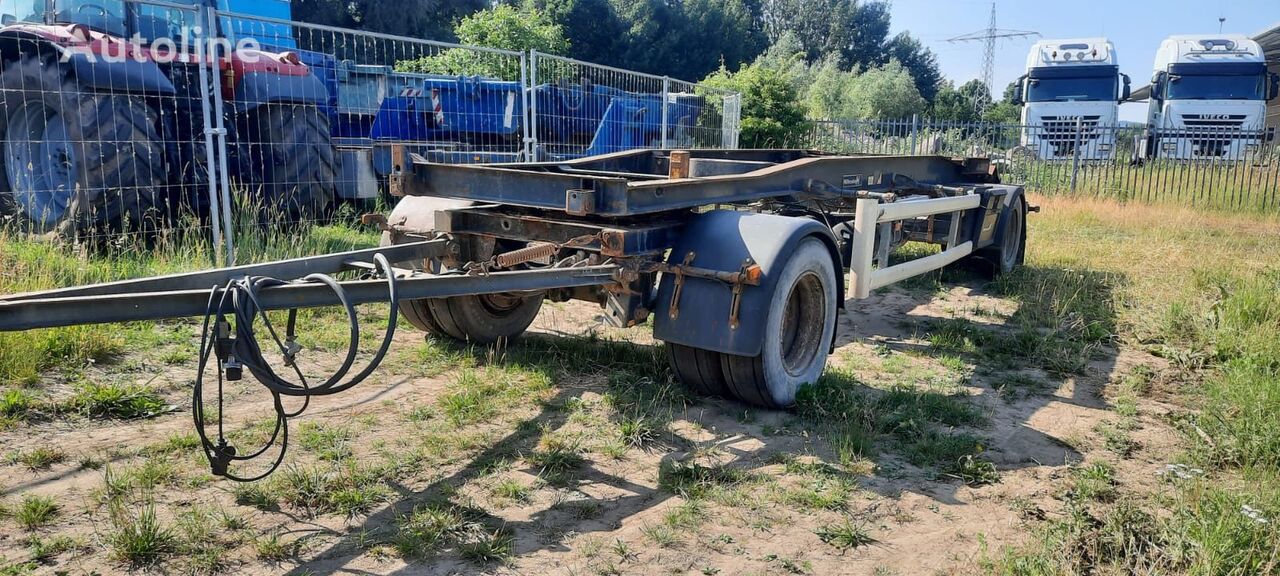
column 234, row 352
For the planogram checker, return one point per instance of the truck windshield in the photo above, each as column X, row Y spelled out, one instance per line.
column 1068, row 89
column 1217, row 87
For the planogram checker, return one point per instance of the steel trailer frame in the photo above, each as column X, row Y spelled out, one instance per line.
column 698, row 239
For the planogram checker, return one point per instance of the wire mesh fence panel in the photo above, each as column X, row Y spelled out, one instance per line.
column 700, row 116
column 318, row 116
column 582, row 109
column 1221, row 166
column 102, row 107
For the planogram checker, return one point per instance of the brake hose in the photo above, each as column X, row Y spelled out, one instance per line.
column 233, row 353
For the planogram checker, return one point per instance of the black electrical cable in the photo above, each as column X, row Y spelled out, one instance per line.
column 239, row 299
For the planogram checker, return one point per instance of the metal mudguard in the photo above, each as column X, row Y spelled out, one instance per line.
column 1001, row 228
column 258, row 88
column 725, row 240
column 129, row 76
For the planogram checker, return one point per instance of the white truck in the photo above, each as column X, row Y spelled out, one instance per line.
column 1070, row 97
column 1208, row 99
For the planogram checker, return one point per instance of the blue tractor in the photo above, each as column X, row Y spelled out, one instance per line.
column 102, row 119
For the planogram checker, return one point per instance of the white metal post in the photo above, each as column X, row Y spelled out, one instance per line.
column 524, row 107
column 212, row 59
column 532, row 110
column 666, row 109
column 915, row 133
column 864, row 246
column 210, row 166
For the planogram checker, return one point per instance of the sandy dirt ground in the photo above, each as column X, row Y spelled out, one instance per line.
column 603, row 520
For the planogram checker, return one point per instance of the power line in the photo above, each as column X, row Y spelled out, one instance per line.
column 988, row 37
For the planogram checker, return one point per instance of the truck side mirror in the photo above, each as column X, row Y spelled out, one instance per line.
column 1275, row 86
column 8, row 20
column 1127, row 90
column 1017, row 91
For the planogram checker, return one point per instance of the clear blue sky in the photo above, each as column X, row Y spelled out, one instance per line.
column 1135, row 26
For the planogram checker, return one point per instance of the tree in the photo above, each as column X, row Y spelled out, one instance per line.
column 887, row 92
column 1005, row 111
column 853, row 32
column 431, row 19
column 771, row 111
column 919, row 61
column 951, row 104
column 686, row 39
column 862, row 33
column 503, row 26
column 596, row 32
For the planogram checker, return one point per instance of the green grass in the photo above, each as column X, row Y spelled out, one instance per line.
column 845, row 535
column 35, row 511
column 348, row 488
column 1206, row 298
column 137, row 536
column 436, row 528
column 41, row 458
column 116, row 400
column 28, row 358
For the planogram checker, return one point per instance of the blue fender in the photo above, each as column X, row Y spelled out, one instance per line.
column 258, row 88
column 127, row 75
column 722, row 240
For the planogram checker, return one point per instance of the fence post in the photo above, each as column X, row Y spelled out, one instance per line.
column 211, row 54
column 210, row 165
column 915, row 133
column 666, row 108
column 1075, row 153
column 524, row 107
column 532, row 110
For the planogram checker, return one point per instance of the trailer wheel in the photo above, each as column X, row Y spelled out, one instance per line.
column 798, row 329
column 289, row 166
column 697, row 369
column 486, row 318
column 75, row 161
column 1011, row 252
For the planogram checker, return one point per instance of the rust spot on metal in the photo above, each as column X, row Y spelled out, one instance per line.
column 678, row 164
column 612, row 242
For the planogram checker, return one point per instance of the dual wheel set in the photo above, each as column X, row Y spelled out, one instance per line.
column 798, row 331
column 78, row 161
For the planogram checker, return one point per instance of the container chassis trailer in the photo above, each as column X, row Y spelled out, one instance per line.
column 737, row 256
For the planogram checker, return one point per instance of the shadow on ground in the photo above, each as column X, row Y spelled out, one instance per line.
column 1058, row 334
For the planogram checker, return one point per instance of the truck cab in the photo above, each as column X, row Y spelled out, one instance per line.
column 1070, row 97
column 1208, row 98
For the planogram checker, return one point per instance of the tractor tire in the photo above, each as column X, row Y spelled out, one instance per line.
column 288, row 164
column 699, row 370
column 799, row 327
column 75, row 162
column 188, row 159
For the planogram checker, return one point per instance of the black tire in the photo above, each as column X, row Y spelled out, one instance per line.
column 798, row 330
column 111, row 165
column 480, row 319
column 699, row 370
column 1011, row 252
column 188, row 158
column 288, row 165
column 484, row 319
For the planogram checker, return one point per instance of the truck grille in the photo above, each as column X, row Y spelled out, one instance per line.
column 1211, row 134
column 1060, row 132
